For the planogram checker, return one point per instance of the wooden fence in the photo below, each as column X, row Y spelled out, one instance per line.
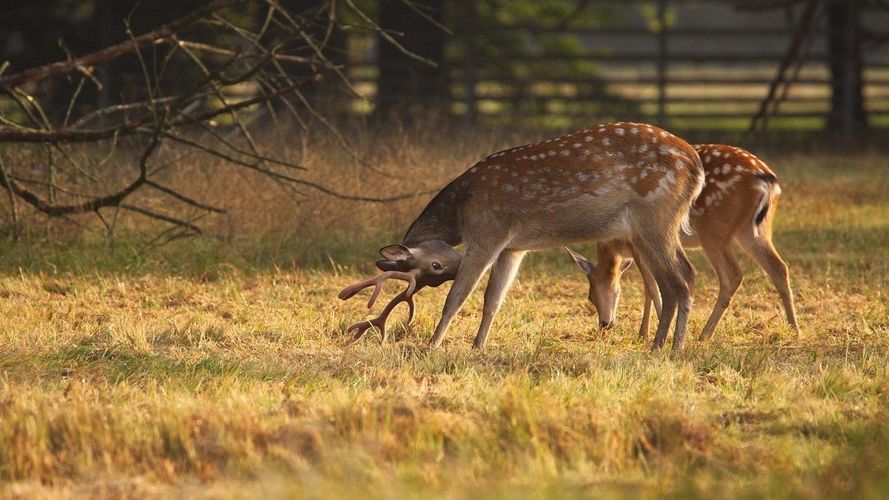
column 696, row 72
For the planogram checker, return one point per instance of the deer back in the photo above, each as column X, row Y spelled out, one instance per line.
column 576, row 187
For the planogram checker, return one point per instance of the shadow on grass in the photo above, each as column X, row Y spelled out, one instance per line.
column 92, row 358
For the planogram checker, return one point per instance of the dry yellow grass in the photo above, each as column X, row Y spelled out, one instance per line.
column 217, row 369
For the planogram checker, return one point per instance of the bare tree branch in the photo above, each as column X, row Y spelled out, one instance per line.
column 185, row 199
column 162, row 217
column 82, row 63
column 200, row 96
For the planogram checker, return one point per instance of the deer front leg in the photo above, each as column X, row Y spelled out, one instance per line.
column 502, row 275
column 471, row 270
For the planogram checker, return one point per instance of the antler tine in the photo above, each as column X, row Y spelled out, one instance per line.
column 379, row 322
column 377, row 282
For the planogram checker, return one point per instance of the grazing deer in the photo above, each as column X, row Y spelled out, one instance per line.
column 625, row 181
column 737, row 204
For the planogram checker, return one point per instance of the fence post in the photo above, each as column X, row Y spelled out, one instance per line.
column 662, row 63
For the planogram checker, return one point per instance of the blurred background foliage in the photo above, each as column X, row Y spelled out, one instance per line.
column 555, row 63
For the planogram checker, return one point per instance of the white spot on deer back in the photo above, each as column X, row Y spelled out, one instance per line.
column 708, row 200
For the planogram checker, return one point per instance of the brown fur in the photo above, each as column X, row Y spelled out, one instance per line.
column 737, row 204
column 615, row 181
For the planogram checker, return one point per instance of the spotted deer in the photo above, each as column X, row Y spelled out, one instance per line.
column 737, row 204
column 627, row 181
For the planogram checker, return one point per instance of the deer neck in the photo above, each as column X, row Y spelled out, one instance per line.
column 440, row 220
column 609, row 258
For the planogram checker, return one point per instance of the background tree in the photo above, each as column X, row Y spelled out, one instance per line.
column 406, row 80
column 189, row 87
column 844, row 42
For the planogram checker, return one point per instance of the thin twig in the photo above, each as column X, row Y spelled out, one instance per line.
column 185, row 199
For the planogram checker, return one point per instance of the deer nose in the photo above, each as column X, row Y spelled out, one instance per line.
column 606, row 325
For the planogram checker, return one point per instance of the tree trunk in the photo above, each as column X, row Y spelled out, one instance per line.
column 847, row 116
column 405, row 82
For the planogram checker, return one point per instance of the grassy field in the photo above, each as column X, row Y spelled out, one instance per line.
column 217, row 368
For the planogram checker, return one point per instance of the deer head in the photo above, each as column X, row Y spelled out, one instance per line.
column 430, row 263
column 433, row 262
column 604, row 282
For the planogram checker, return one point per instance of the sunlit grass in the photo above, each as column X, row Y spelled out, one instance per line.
column 217, row 367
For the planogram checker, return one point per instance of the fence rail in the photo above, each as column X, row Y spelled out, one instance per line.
column 653, row 74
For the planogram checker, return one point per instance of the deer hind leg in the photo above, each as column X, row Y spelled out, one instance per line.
column 684, row 298
column 670, row 282
column 760, row 248
column 473, row 266
column 501, row 278
column 730, row 278
column 646, row 314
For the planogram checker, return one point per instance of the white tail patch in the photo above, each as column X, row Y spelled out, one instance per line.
column 685, row 224
column 767, row 189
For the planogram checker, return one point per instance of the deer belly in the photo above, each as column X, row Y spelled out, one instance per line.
column 562, row 224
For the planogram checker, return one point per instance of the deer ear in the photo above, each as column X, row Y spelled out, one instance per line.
column 395, row 252
column 585, row 265
column 625, row 265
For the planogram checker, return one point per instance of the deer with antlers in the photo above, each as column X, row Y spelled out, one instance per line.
column 617, row 181
column 738, row 204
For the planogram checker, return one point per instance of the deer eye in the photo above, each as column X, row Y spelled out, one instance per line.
column 436, row 266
